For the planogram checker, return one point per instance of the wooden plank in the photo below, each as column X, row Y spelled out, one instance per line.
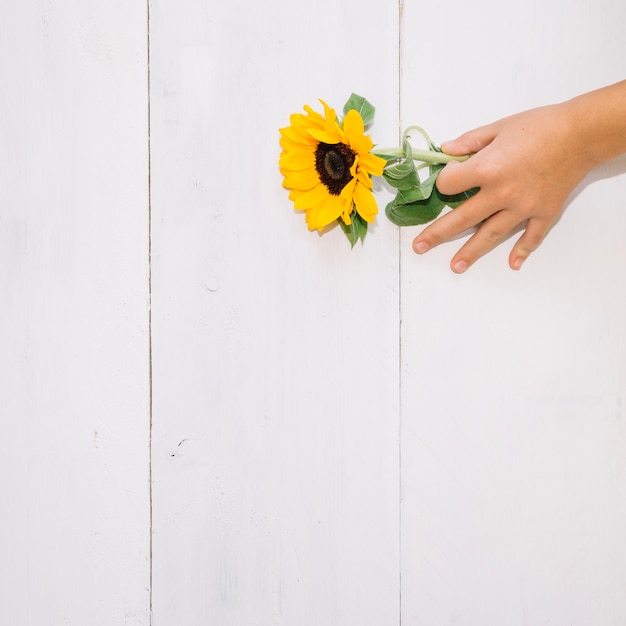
column 513, row 385
column 74, row 375
column 275, row 350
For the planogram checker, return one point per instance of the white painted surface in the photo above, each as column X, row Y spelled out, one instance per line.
column 275, row 351
column 514, row 384
column 287, row 417
column 74, row 375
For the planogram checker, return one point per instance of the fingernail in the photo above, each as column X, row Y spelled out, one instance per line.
column 420, row 247
column 518, row 263
column 459, row 267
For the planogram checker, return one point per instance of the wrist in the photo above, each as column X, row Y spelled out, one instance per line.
column 597, row 122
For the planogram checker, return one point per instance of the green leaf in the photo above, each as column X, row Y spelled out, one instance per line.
column 414, row 213
column 386, row 157
column 407, row 196
column 428, row 184
column 355, row 231
column 454, row 201
column 403, row 210
column 397, row 180
column 362, row 107
column 400, row 170
column 403, row 175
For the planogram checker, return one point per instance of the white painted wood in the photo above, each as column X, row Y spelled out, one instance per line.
column 276, row 477
column 74, row 376
column 513, row 385
column 287, row 419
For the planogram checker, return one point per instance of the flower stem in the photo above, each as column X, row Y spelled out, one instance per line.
column 427, row 156
column 421, row 131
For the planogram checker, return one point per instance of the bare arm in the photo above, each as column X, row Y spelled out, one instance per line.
column 526, row 166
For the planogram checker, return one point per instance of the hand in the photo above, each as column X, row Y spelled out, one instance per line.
column 526, row 166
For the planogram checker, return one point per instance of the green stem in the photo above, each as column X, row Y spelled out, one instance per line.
column 421, row 131
column 427, row 156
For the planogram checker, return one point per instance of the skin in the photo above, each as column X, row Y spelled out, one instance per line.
column 526, row 166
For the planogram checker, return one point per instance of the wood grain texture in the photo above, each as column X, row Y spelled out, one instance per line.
column 513, row 384
column 275, row 350
column 74, row 384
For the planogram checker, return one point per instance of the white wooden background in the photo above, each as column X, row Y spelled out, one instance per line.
column 210, row 416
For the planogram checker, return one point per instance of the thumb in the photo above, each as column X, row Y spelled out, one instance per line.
column 470, row 142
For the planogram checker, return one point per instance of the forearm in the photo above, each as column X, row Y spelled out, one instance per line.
column 599, row 122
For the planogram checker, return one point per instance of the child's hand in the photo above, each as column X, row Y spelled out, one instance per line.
column 526, row 166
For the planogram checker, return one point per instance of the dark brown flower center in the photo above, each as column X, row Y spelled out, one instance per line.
column 333, row 163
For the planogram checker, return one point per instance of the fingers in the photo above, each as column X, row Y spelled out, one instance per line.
column 501, row 206
column 531, row 239
column 448, row 226
column 457, row 177
column 472, row 141
column 494, row 229
column 490, row 234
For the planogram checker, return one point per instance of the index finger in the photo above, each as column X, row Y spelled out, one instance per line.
column 468, row 215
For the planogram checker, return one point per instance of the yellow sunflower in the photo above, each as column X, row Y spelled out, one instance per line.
column 328, row 166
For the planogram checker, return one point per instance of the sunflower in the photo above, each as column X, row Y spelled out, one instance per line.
column 327, row 166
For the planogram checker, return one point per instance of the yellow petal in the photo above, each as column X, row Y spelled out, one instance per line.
column 303, row 181
column 362, row 144
column 332, row 137
column 364, row 179
column 329, row 113
column 294, row 194
column 326, row 213
column 365, row 203
column 296, row 162
column 296, row 148
column 353, row 125
column 346, row 217
column 372, row 163
column 348, row 192
column 310, row 199
column 297, row 120
column 355, row 166
column 296, row 137
column 353, row 131
column 314, row 116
